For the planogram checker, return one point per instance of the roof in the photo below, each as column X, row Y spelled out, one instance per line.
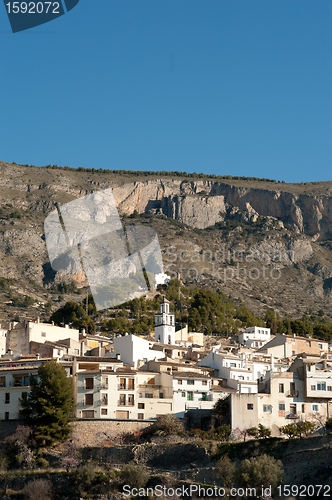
column 189, row 375
column 98, row 358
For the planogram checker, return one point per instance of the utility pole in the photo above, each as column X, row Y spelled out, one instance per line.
column 87, row 299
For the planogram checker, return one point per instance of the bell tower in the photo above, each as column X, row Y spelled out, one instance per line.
column 164, row 330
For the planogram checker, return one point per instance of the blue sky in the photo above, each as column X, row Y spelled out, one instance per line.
column 239, row 87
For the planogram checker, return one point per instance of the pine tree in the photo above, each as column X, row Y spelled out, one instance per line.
column 49, row 404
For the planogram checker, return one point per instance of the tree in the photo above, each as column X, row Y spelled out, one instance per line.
column 304, row 427
column 257, row 472
column 271, row 323
column 169, row 424
column 225, row 470
column 49, row 404
column 263, row 431
column 221, row 409
column 328, row 424
column 253, row 431
column 290, row 430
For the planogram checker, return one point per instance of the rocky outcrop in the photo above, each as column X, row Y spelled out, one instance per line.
column 202, row 203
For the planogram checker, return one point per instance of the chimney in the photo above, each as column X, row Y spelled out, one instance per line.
column 37, row 356
column 118, row 356
column 83, row 331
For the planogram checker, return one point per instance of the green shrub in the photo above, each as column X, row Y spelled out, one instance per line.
column 42, row 463
column 258, row 472
column 225, row 470
column 83, row 478
column 135, row 475
column 169, row 424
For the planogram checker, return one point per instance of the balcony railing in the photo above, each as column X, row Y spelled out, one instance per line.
column 292, row 394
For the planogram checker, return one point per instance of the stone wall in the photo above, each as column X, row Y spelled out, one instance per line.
column 100, row 432
column 91, row 433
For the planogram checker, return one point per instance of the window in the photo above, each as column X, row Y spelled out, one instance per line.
column 314, row 407
column 76, row 351
column 179, row 382
column 131, row 384
column 104, row 382
column 122, row 383
column 313, row 387
column 329, row 387
column 148, row 395
column 281, row 388
column 24, row 396
column 190, row 382
column 104, row 411
column 140, row 416
column 18, row 381
column 122, row 400
column 267, row 408
column 141, row 406
column 281, row 406
column 6, row 415
column 250, row 406
column 88, row 414
column 320, row 346
column 183, row 394
column 232, row 365
column 88, row 399
column 303, row 409
column 321, row 386
column 190, row 396
column 131, row 400
column 7, row 398
column 2, row 381
column 104, row 400
column 161, row 395
column 43, row 334
column 89, row 383
column 204, row 382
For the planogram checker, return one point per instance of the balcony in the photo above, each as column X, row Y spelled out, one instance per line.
column 293, row 416
column 292, row 394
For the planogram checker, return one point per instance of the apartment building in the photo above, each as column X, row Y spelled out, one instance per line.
column 286, row 346
column 21, row 334
column 15, row 385
column 135, row 351
column 194, row 391
column 302, row 393
column 240, row 373
column 255, row 336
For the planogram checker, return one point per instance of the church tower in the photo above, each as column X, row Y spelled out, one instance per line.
column 164, row 330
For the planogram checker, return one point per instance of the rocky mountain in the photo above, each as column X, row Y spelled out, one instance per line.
column 268, row 243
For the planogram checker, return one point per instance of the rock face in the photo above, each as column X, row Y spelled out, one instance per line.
column 202, row 203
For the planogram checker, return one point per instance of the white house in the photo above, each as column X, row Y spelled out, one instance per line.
column 255, row 336
column 132, row 349
column 21, row 334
